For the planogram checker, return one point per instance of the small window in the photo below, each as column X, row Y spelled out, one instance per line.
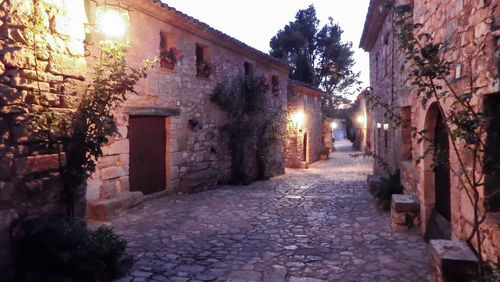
column 248, row 68
column 276, row 85
column 204, row 68
column 169, row 55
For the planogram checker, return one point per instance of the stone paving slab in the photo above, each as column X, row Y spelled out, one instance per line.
column 318, row 224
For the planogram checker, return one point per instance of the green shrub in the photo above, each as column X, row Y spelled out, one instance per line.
column 60, row 248
column 386, row 187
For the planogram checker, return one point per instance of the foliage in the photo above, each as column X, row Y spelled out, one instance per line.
column 429, row 73
column 250, row 132
column 319, row 56
column 59, row 248
column 386, row 188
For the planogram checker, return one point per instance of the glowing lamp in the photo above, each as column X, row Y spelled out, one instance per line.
column 112, row 21
column 379, row 125
column 298, row 118
column 386, row 126
column 334, row 125
column 360, row 119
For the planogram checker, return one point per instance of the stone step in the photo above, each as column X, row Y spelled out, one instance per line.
column 198, row 181
column 105, row 210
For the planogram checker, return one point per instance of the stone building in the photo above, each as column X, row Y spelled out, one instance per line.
column 471, row 30
column 172, row 122
column 170, row 133
column 304, row 140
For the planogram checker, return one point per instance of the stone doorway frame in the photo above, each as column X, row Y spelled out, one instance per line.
column 428, row 189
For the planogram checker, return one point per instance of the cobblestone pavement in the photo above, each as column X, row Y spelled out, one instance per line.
column 318, row 224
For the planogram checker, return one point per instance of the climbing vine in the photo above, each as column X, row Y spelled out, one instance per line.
column 251, row 134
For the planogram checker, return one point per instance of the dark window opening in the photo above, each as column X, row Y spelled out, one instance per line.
column 204, row 68
column 248, row 68
column 275, row 85
column 492, row 152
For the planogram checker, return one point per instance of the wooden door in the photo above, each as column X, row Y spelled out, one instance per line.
column 147, row 136
column 442, row 171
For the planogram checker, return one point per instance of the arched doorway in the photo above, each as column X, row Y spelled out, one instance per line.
column 436, row 201
column 441, row 168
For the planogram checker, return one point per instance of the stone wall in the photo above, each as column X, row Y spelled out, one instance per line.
column 471, row 30
column 29, row 174
column 304, row 99
column 196, row 142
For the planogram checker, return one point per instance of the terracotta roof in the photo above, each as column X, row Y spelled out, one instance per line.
column 373, row 23
column 222, row 35
column 311, row 89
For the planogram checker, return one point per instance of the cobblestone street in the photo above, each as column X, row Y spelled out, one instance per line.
column 308, row 225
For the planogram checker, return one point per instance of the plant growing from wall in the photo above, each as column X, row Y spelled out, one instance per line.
column 429, row 74
column 250, row 133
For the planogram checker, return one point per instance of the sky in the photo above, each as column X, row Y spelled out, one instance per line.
column 256, row 22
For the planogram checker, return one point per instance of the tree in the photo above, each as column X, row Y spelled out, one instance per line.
column 319, row 56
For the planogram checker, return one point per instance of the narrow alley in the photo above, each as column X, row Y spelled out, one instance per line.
column 318, row 224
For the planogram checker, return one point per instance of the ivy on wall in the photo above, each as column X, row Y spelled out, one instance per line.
column 251, row 133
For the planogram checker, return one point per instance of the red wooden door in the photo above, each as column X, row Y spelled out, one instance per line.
column 147, row 137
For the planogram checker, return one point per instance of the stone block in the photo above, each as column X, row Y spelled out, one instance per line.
column 199, row 181
column 405, row 203
column 116, row 148
column 405, row 212
column 39, row 163
column 105, row 210
column 68, row 66
column 451, row 261
column 372, row 182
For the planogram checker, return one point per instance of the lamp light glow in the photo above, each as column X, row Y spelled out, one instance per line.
column 386, row 126
column 379, row 125
column 298, row 118
column 112, row 21
column 360, row 119
column 334, row 125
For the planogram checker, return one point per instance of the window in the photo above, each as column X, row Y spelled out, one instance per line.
column 248, row 68
column 204, row 68
column 406, row 149
column 276, row 85
column 169, row 55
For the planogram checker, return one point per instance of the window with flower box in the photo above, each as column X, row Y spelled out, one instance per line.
column 169, row 55
column 204, row 68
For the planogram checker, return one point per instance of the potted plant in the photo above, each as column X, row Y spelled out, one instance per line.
column 324, row 153
column 204, row 69
column 169, row 57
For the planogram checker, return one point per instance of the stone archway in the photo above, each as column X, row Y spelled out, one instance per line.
column 436, row 213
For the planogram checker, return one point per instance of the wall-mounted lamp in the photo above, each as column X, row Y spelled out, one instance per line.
column 386, row 126
column 298, row 119
column 112, row 21
column 334, row 125
column 379, row 125
column 360, row 119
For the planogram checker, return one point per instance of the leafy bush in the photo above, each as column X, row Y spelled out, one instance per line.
column 60, row 248
column 386, row 187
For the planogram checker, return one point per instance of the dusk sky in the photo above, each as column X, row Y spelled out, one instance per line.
column 256, row 22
